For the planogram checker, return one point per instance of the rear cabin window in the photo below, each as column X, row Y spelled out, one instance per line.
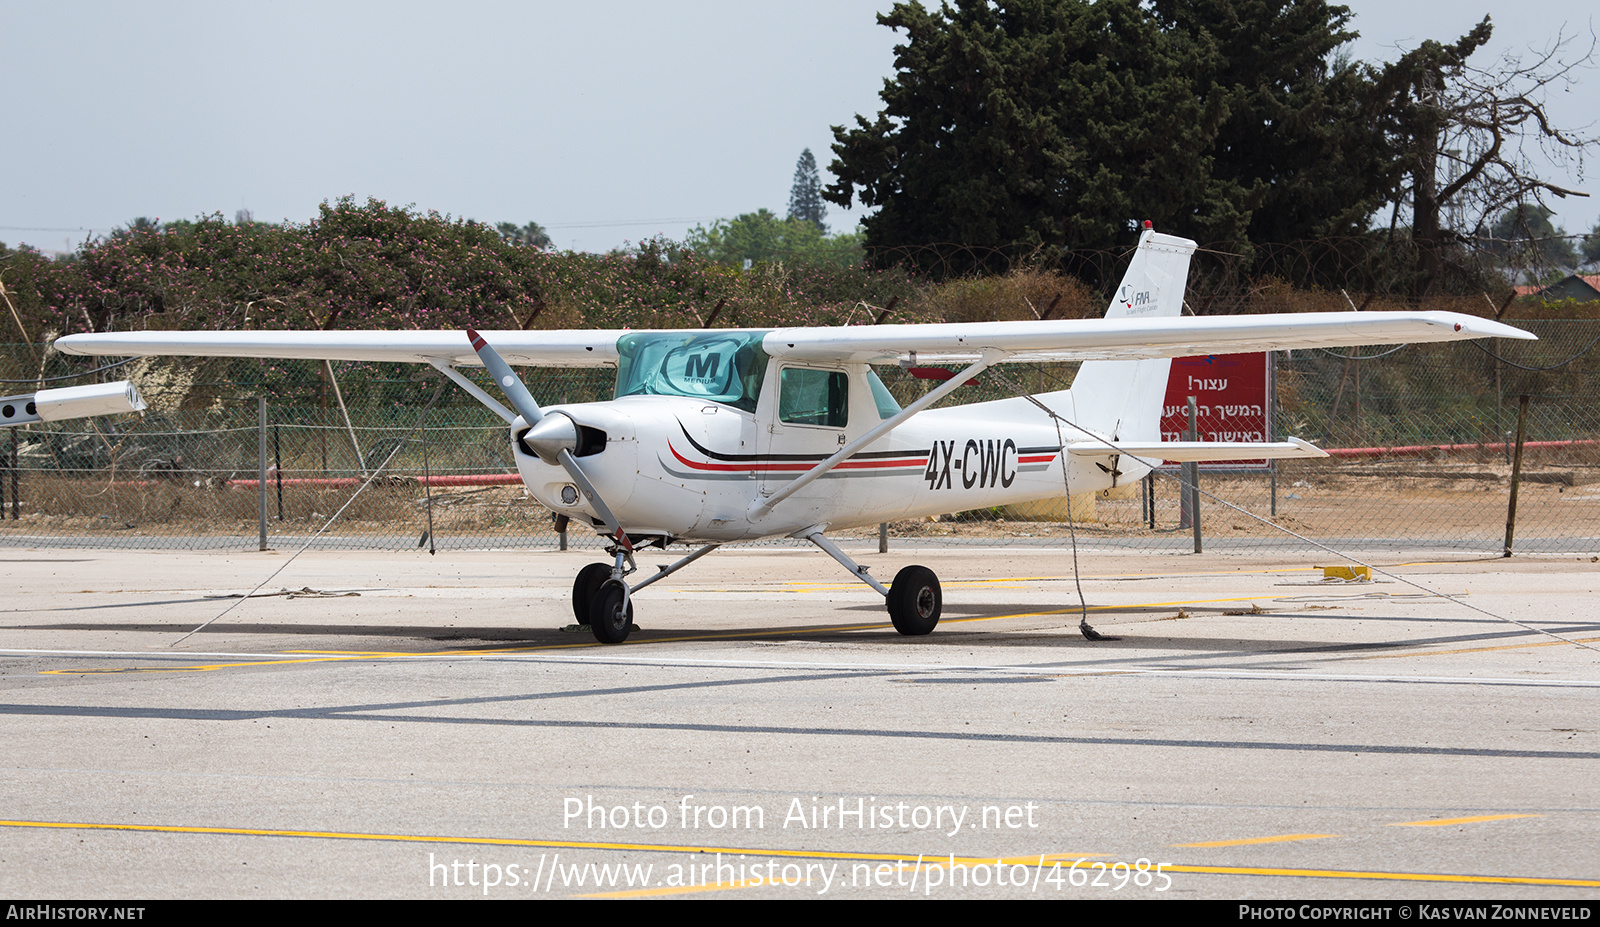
column 813, row 397
column 725, row 368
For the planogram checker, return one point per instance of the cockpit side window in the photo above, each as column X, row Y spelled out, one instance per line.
column 813, row 397
column 723, row 367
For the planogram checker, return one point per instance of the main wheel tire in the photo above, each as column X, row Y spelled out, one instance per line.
column 915, row 600
column 589, row 581
column 608, row 618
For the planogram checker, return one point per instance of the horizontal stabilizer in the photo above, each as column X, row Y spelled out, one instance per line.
column 1198, row 450
column 54, row 405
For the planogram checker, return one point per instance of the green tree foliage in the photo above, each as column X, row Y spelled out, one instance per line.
column 762, row 236
column 1297, row 139
column 1028, row 123
column 805, row 196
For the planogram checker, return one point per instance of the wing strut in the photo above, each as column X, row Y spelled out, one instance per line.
column 759, row 509
column 476, row 392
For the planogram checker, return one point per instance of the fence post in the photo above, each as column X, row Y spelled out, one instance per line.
column 1189, row 514
column 1272, row 425
column 1516, row 471
column 883, row 537
column 16, row 472
column 277, row 463
column 427, row 484
column 261, row 467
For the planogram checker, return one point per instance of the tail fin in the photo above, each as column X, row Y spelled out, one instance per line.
column 1122, row 400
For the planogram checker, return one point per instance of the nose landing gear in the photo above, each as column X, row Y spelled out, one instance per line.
column 611, row 612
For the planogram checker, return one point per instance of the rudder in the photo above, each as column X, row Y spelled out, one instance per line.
column 1122, row 400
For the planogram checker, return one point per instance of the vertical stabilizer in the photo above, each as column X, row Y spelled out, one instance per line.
column 1122, row 399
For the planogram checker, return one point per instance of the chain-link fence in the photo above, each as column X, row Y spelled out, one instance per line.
column 1423, row 437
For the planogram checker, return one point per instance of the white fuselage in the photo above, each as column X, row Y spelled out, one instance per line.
column 693, row 470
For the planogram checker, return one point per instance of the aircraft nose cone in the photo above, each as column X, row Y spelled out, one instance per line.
column 554, row 434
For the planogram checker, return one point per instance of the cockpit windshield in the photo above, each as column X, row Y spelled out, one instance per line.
column 725, row 367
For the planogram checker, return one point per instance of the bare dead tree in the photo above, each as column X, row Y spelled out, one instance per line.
column 1472, row 141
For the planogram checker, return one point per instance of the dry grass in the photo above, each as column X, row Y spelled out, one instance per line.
column 66, row 507
column 1023, row 294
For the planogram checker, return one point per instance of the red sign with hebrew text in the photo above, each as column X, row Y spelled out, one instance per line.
column 1231, row 392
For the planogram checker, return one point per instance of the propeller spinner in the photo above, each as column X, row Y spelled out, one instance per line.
column 552, row 437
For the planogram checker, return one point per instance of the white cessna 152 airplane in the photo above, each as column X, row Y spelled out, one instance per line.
column 727, row 435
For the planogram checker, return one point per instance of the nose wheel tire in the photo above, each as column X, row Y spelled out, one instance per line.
column 915, row 601
column 609, row 618
column 589, row 581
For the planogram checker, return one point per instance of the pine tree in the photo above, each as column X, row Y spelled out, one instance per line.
column 805, row 197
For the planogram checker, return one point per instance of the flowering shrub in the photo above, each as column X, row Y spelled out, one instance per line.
column 374, row 266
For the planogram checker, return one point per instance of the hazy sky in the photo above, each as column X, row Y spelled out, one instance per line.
column 603, row 121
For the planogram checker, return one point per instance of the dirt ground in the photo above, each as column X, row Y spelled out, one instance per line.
column 1422, row 501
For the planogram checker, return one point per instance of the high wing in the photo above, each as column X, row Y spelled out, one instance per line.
column 1068, row 340
column 535, row 349
column 1128, row 338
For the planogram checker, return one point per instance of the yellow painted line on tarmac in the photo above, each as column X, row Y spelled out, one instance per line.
column 1282, row 838
column 200, row 668
column 321, row 656
column 1446, row 822
column 757, row 634
column 1441, row 653
column 822, row 584
column 819, row 586
column 901, row 858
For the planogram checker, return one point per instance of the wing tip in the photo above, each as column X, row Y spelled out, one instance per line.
column 1311, row 450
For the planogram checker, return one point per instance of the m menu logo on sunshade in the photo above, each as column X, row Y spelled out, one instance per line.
column 701, row 366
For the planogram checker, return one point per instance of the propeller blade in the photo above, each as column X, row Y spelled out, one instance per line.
column 522, row 401
column 510, row 383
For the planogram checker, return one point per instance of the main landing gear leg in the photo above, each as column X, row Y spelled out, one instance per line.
column 914, row 600
column 664, row 571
